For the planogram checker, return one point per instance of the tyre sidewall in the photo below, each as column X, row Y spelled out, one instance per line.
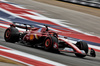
column 83, row 46
column 52, row 41
column 14, row 35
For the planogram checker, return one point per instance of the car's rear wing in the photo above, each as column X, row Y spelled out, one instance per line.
column 23, row 26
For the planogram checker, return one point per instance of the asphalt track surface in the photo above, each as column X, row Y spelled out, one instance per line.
column 79, row 20
column 64, row 58
column 65, row 14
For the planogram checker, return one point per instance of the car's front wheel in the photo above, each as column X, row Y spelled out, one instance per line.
column 82, row 46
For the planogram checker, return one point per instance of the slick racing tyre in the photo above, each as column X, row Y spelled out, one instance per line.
column 49, row 43
column 11, row 35
column 82, row 46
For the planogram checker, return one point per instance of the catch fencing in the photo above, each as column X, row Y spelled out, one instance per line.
column 92, row 3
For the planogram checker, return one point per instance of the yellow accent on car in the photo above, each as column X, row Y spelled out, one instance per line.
column 31, row 37
column 36, row 36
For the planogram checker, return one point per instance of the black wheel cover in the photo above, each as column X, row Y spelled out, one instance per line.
column 82, row 46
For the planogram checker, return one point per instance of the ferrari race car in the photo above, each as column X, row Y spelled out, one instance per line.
column 47, row 39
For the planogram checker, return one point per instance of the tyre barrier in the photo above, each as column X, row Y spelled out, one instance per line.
column 90, row 3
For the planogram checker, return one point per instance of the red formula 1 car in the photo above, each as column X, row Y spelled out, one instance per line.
column 47, row 39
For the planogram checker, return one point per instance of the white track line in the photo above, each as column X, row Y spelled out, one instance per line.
column 32, row 57
column 92, row 46
column 16, row 60
column 41, row 17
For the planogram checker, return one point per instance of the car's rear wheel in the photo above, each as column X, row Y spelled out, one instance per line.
column 82, row 46
column 11, row 35
column 49, row 43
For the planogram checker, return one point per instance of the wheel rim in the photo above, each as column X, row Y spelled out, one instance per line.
column 47, row 42
column 8, row 34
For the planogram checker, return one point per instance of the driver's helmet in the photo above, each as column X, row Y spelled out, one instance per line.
column 43, row 29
